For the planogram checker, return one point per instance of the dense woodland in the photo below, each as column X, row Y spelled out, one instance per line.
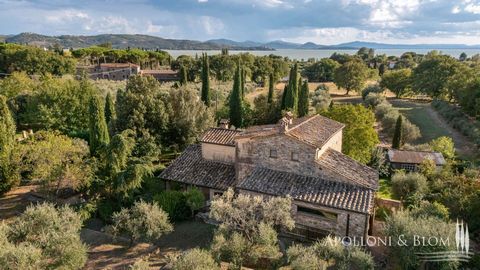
column 108, row 141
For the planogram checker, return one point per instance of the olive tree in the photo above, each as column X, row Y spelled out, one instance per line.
column 195, row 259
column 247, row 227
column 43, row 237
column 143, row 221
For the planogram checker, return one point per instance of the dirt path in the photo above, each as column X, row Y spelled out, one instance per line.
column 15, row 201
column 463, row 145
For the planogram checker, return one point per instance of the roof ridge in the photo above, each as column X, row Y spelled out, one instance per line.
column 418, row 151
column 301, row 123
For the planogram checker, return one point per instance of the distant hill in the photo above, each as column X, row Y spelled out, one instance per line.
column 120, row 41
column 374, row 45
column 152, row 42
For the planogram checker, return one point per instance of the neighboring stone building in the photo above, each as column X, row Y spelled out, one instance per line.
column 164, row 75
column 110, row 71
column 123, row 71
column 301, row 158
column 410, row 160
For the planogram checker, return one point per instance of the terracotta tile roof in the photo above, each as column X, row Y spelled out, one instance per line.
column 414, row 157
column 220, row 136
column 315, row 130
column 118, row 65
column 309, row 189
column 349, row 168
column 191, row 168
column 160, row 71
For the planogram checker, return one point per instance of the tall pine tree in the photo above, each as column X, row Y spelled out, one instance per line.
column 236, row 101
column 109, row 109
column 397, row 142
column 8, row 176
column 303, row 102
column 99, row 136
column 271, row 85
column 205, row 95
column 183, row 75
column 291, row 97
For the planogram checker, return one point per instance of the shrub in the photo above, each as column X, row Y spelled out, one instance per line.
column 143, row 221
column 43, row 237
column 409, row 186
column 458, row 120
column 402, row 224
column 375, row 88
column 195, row 259
column 427, row 209
column 374, row 99
column 388, row 115
column 304, row 258
column 444, row 145
column 174, row 203
column 194, row 199
column 321, row 98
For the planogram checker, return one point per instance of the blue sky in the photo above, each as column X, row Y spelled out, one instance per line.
column 319, row 21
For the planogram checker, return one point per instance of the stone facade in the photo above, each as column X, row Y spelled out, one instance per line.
column 257, row 152
column 217, row 152
column 346, row 223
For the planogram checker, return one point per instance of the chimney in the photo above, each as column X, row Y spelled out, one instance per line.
column 224, row 123
column 286, row 121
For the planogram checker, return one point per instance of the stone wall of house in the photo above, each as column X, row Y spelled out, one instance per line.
column 335, row 142
column 256, row 152
column 220, row 153
column 358, row 225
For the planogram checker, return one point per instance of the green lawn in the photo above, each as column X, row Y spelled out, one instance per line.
column 385, row 189
column 418, row 115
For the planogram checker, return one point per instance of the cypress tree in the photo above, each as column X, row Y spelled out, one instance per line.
column 183, row 75
column 99, row 136
column 284, row 95
column 271, row 85
column 236, row 101
column 397, row 142
column 109, row 109
column 303, row 102
column 243, row 71
column 205, row 81
column 291, row 98
column 8, row 177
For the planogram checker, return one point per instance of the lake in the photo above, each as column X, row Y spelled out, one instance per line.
column 305, row 54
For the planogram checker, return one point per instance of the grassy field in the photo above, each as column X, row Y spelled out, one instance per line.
column 417, row 114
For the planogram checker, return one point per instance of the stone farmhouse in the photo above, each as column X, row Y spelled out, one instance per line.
column 110, row 71
column 123, row 71
column 332, row 193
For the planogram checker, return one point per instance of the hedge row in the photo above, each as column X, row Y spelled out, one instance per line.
column 458, row 120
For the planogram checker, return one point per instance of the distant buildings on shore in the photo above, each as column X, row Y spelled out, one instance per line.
column 123, row 71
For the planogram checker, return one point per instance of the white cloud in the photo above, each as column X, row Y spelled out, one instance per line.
column 211, row 25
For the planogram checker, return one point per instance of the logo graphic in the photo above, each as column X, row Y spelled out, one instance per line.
column 462, row 243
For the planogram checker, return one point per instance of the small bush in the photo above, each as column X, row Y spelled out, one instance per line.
column 196, row 259
column 174, row 203
column 371, row 89
column 374, row 99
